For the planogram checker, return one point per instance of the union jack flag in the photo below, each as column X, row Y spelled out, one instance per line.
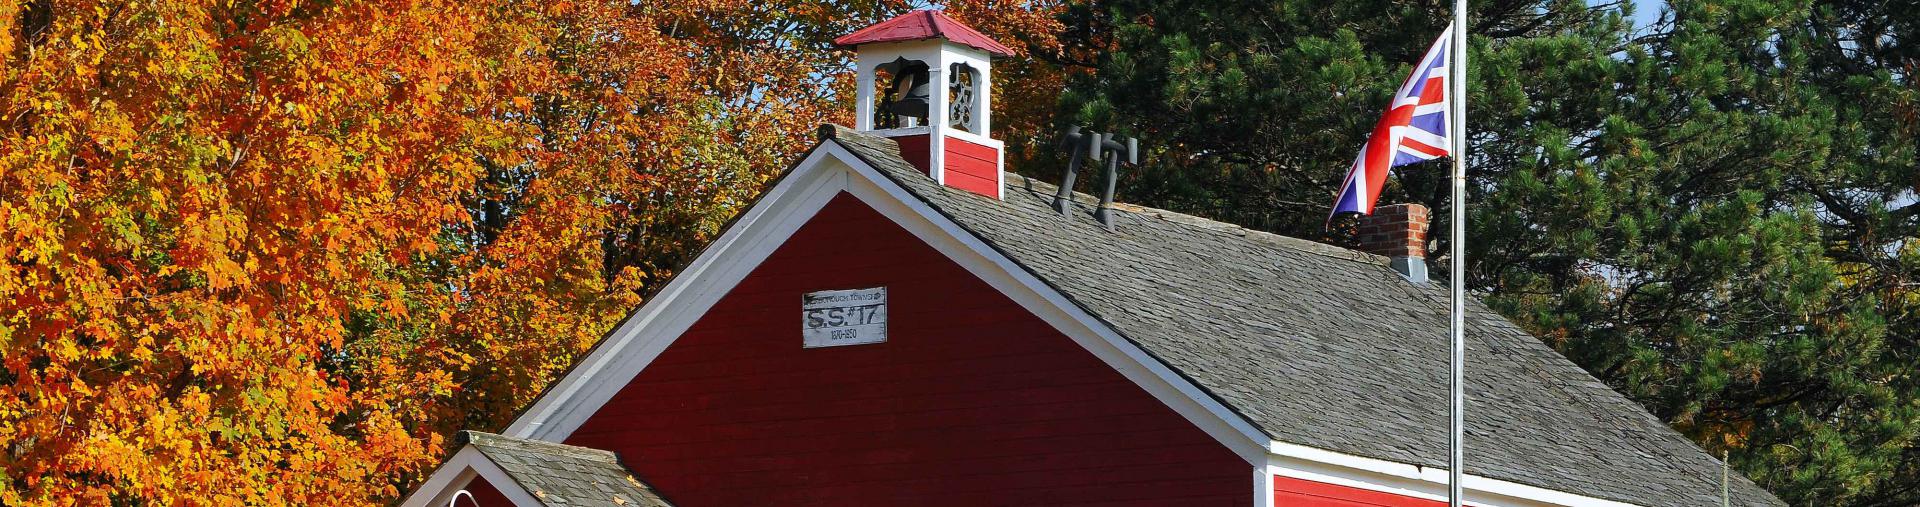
column 1414, row 129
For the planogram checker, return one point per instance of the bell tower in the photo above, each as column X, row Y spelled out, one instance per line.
column 925, row 81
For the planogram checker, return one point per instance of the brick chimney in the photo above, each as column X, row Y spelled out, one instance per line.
column 1398, row 232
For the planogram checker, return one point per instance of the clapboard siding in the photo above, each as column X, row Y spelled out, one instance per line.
column 915, row 149
column 973, row 167
column 1291, row 492
column 971, row 401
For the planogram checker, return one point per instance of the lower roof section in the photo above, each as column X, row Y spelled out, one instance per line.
column 528, row 473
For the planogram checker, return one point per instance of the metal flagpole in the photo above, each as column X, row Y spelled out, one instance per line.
column 1457, row 78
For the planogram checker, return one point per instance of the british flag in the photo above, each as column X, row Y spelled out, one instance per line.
column 1414, row 129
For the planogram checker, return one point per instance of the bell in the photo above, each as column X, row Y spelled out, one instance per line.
column 910, row 95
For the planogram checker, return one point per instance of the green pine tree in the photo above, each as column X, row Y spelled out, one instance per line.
column 1714, row 213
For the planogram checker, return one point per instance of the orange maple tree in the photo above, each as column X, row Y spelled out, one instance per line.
column 275, row 252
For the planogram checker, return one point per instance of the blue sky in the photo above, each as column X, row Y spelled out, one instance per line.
column 1647, row 11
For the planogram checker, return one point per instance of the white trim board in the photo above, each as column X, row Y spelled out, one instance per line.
column 641, row 338
column 1318, row 465
column 1262, row 487
column 459, row 471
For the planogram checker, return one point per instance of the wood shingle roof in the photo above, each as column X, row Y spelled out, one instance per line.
column 565, row 475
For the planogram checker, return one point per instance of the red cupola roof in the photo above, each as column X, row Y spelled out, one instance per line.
column 922, row 25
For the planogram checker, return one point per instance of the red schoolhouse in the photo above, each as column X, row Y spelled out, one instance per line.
column 898, row 321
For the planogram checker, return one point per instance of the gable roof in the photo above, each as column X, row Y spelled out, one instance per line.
column 921, row 25
column 1329, row 348
column 565, row 475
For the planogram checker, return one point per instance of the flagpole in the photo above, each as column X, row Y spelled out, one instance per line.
column 1457, row 79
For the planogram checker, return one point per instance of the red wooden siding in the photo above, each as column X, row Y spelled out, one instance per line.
column 484, row 495
column 971, row 401
column 914, row 150
column 973, row 167
column 1291, row 492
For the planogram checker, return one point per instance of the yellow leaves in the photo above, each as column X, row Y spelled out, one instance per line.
column 65, row 350
column 225, row 273
column 266, row 258
column 396, row 306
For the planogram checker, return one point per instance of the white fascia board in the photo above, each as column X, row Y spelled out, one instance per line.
column 459, row 471
column 1430, row 483
column 1262, row 487
column 645, row 334
column 977, row 139
column 925, row 50
column 953, row 133
column 1014, row 281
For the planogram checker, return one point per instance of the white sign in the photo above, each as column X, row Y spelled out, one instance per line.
column 831, row 318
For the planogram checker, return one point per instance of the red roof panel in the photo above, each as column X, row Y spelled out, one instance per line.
column 922, row 25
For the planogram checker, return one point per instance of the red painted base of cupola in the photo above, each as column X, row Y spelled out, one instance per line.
column 970, row 166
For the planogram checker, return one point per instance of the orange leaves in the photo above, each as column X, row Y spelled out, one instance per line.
column 191, row 197
column 258, row 253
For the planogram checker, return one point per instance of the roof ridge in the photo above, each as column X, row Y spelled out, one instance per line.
column 835, row 131
column 1256, row 235
column 484, row 439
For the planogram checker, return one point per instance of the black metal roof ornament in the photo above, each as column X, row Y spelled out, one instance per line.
column 1076, row 144
column 1095, row 146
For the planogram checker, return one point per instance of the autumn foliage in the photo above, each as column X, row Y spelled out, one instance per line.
column 259, row 253
column 276, row 252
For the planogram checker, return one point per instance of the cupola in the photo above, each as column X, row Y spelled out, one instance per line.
column 925, row 81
